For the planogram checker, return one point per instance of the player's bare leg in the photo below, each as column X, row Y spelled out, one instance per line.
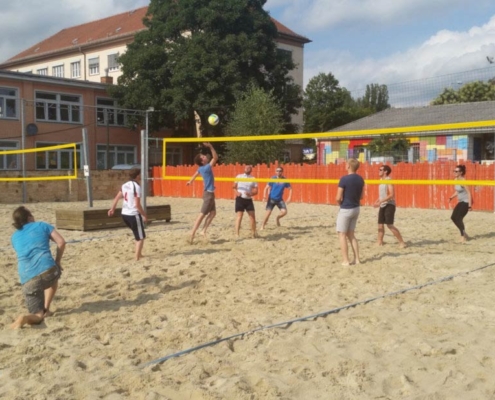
column 238, row 221
column 265, row 220
column 381, row 234
column 196, row 225
column 252, row 220
column 28, row 319
column 208, row 220
column 397, row 234
column 282, row 214
column 139, row 249
column 49, row 295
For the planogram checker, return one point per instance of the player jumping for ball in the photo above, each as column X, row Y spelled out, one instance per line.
column 208, row 209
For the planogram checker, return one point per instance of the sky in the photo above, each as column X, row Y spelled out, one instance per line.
column 401, row 43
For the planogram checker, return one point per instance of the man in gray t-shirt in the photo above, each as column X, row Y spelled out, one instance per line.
column 386, row 202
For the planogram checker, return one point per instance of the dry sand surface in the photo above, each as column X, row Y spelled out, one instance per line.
column 112, row 314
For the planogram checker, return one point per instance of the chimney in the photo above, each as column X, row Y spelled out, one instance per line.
column 107, row 79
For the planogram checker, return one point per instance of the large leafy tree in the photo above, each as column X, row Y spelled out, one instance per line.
column 470, row 92
column 390, row 146
column 327, row 105
column 256, row 113
column 199, row 55
column 375, row 98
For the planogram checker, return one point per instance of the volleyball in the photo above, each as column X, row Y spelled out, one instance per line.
column 213, row 119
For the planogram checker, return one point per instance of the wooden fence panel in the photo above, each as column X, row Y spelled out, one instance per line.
column 411, row 196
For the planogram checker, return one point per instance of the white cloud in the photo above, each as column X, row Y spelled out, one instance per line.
column 446, row 52
column 27, row 22
column 314, row 15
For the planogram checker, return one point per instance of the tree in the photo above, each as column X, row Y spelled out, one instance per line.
column 322, row 98
column 390, row 145
column 375, row 98
column 256, row 113
column 199, row 55
column 327, row 105
column 470, row 92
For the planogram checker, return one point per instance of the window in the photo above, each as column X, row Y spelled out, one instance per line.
column 58, row 107
column 108, row 113
column 174, row 155
column 116, row 155
column 57, row 159
column 75, row 69
column 58, row 71
column 9, row 161
column 285, row 53
column 43, row 71
column 8, row 103
column 113, row 65
column 94, row 66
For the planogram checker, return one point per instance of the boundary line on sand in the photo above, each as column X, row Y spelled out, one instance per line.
column 241, row 335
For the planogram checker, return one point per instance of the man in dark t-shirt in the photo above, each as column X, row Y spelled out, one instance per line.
column 349, row 195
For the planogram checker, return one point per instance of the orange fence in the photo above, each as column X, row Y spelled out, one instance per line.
column 416, row 196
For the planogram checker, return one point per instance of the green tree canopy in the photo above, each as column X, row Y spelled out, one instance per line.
column 256, row 113
column 327, row 105
column 375, row 98
column 390, row 146
column 198, row 55
column 470, row 92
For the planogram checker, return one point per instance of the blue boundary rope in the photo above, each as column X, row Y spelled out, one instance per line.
column 309, row 317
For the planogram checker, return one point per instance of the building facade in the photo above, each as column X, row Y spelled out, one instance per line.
column 447, row 143
column 38, row 111
column 88, row 52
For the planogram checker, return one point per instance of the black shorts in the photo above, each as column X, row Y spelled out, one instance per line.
column 135, row 222
column 386, row 215
column 242, row 204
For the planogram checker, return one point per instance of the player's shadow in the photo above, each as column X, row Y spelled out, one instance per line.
column 488, row 235
column 274, row 237
column 99, row 306
column 426, row 242
column 196, row 252
column 95, row 307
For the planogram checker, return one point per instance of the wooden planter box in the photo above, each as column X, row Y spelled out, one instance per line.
column 87, row 220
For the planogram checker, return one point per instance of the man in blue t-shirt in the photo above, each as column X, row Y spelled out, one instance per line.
column 274, row 196
column 349, row 195
column 208, row 209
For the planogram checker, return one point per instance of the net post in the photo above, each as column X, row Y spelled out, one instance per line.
column 87, row 170
column 144, row 169
column 23, row 156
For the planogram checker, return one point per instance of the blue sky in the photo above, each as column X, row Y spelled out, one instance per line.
column 360, row 41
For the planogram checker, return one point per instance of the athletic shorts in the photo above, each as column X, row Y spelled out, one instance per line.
column 208, row 202
column 270, row 204
column 347, row 219
column 34, row 289
column 386, row 215
column 242, row 204
column 135, row 222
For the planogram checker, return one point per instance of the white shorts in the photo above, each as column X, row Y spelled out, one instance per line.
column 347, row 219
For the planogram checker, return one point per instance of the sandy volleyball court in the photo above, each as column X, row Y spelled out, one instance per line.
column 112, row 315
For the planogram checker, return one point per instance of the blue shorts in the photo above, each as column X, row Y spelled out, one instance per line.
column 270, row 204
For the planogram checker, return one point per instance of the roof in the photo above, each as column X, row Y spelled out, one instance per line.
column 120, row 26
column 24, row 76
column 422, row 116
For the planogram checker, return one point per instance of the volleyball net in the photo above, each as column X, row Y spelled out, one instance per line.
column 414, row 173
column 49, row 155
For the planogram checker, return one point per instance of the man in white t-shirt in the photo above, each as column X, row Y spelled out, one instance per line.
column 243, row 192
column 132, row 211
